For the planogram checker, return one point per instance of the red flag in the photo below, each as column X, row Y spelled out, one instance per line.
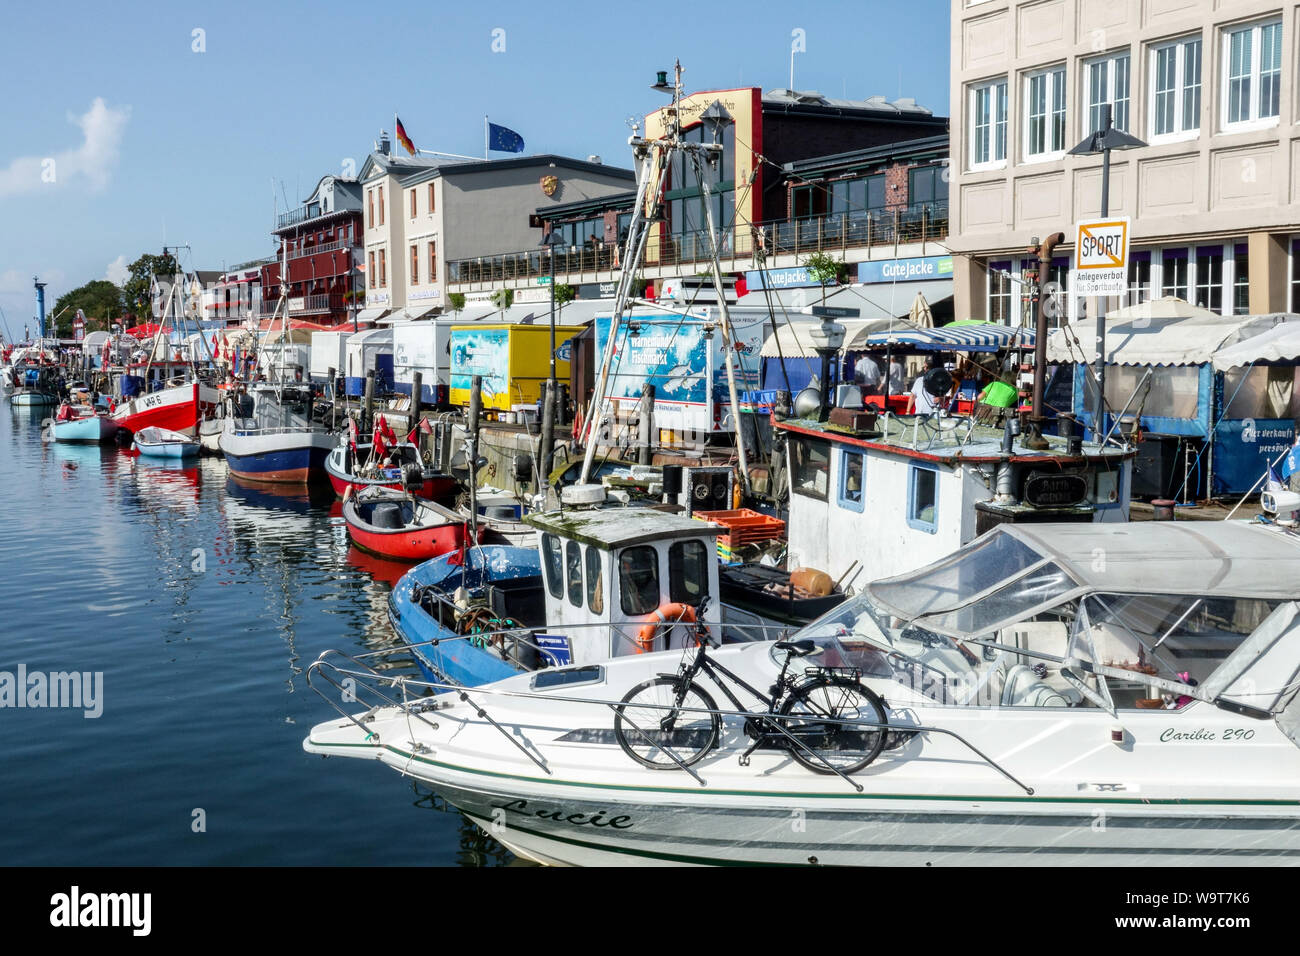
column 425, row 426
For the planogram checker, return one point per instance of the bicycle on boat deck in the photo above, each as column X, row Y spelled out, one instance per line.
column 825, row 717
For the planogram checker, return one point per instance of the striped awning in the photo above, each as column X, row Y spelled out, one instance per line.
column 973, row 337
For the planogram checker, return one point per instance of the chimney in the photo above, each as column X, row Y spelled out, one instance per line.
column 383, row 146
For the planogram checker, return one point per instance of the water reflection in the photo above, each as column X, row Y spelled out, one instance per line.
column 476, row 848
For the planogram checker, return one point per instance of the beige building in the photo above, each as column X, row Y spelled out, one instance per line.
column 1214, row 198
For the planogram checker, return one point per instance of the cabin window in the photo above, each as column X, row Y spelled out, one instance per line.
column 852, row 468
column 923, row 498
column 551, row 556
column 573, row 562
column 810, row 468
column 638, row 580
column 595, row 583
column 688, row 572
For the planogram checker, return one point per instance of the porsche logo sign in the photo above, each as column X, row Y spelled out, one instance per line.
column 550, row 184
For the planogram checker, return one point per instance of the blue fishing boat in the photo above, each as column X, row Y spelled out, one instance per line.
column 276, row 440
column 161, row 443
column 82, row 423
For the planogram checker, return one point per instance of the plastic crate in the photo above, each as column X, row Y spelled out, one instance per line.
column 744, row 526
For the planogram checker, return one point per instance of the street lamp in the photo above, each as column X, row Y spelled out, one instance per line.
column 1102, row 141
column 826, row 339
column 552, row 241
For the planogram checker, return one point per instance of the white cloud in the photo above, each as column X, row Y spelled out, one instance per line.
column 92, row 162
column 118, row 272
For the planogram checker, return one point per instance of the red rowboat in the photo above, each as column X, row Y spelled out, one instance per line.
column 395, row 525
column 345, row 472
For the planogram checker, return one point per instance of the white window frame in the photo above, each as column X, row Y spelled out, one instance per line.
column 991, row 86
column 1054, row 75
column 1109, row 63
column 1179, row 47
column 1254, row 120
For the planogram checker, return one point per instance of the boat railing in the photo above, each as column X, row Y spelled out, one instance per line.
column 417, row 698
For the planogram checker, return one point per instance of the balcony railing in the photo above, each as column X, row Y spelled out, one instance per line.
column 316, row 303
column 831, row 234
column 320, row 248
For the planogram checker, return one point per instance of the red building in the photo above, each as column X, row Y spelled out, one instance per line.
column 322, row 242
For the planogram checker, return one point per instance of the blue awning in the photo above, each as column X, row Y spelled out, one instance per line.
column 987, row 337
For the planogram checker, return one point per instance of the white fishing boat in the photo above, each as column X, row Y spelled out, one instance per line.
column 1064, row 694
column 162, row 443
column 277, row 441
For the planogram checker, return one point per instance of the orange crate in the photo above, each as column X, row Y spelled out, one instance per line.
column 744, row 526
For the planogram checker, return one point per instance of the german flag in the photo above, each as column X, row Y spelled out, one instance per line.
column 403, row 138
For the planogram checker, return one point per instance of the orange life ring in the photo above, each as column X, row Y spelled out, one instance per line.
column 665, row 614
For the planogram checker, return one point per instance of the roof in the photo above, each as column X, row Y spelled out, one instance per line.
column 1165, row 332
column 609, row 528
column 885, row 153
column 1281, row 343
column 430, row 169
column 792, row 337
column 811, row 99
column 1240, row 558
column 596, row 204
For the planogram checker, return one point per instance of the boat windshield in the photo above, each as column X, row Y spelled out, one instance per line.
column 957, row 580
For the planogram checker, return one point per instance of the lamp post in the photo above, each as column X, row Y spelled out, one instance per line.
column 552, row 242
column 1102, row 141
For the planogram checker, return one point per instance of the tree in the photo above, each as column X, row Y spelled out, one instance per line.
column 564, row 294
column 136, row 291
column 503, row 299
column 99, row 299
column 823, row 270
column 457, row 301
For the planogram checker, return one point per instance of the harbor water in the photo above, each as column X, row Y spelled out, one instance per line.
column 201, row 602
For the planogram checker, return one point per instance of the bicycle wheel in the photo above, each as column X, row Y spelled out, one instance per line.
column 807, row 715
column 648, row 723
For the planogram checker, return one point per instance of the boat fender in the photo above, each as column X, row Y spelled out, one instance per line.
column 668, row 614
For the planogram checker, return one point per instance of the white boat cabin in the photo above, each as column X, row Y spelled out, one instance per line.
column 915, row 489
column 609, row 571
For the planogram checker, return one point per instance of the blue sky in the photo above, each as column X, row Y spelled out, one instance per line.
column 154, row 142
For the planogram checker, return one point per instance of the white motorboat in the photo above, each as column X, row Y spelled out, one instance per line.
column 162, row 443
column 1064, row 694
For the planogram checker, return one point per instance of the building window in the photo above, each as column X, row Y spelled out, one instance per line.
column 383, row 268
column 1000, row 292
column 923, row 498
column 1209, row 278
column 433, row 261
column 1139, row 278
column 1173, row 273
column 1241, row 281
column 1176, row 87
column 373, row 274
column 927, row 189
column 413, row 203
column 381, row 205
column 852, row 467
column 988, row 124
column 1107, row 82
column 1045, row 113
column 1252, row 78
column 370, row 196
column 415, row 262
column 431, row 201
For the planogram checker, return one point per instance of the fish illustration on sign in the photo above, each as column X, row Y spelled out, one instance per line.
column 678, row 378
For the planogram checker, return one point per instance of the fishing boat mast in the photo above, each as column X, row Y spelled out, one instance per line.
column 653, row 160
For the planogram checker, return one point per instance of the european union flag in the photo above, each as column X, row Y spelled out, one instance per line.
column 504, row 140
column 1291, row 464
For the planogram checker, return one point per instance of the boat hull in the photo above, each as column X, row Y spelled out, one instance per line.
column 32, row 399
column 283, row 458
column 90, row 430
column 433, row 486
column 177, row 409
column 419, row 544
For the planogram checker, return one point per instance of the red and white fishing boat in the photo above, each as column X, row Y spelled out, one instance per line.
column 396, row 525
column 177, row 408
column 356, row 466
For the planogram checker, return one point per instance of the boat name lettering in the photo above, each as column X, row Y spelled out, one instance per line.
column 596, row 819
column 1232, row 733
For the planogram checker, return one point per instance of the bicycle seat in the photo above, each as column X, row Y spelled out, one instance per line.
column 802, row 648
